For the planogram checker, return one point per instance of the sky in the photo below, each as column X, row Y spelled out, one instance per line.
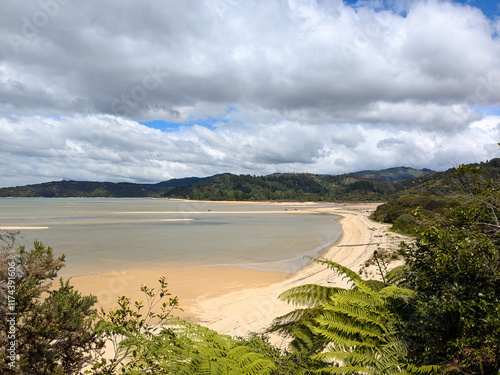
column 146, row 91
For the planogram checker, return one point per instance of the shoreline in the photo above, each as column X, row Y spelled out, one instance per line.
column 252, row 310
column 237, row 300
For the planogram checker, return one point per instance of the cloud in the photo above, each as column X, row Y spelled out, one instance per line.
column 389, row 143
column 316, row 86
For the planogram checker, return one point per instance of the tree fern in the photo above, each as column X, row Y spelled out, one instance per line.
column 351, row 330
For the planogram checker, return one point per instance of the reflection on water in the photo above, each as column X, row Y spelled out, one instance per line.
column 109, row 234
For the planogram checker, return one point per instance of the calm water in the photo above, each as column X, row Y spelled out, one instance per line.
column 110, row 234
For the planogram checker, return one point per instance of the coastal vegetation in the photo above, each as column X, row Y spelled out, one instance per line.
column 438, row 313
column 48, row 330
column 441, row 196
column 350, row 331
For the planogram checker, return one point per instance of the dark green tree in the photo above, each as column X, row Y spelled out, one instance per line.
column 454, row 268
column 51, row 330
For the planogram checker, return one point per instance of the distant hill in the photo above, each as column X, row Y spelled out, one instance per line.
column 363, row 186
column 443, row 183
column 394, row 174
column 436, row 194
column 65, row 189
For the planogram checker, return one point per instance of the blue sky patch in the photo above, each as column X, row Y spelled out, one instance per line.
column 491, row 110
column 207, row 122
column 490, row 8
column 57, row 118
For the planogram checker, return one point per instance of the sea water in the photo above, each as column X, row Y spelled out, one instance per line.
column 108, row 234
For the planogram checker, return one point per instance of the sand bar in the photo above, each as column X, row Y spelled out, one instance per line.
column 209, row 212
column 22, row 228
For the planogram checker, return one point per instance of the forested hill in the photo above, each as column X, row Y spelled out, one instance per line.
column 394, row 174
column 439, row 195
column 65, row 189
column 290, row 186
column 364, row 185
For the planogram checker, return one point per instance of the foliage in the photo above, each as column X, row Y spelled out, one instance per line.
column 53, row 330
column 452, row 180
column 64, row 189
column 125, row 324
column 286, row 363
column 454, row 268
column 394, row 174
column 405, row 223
column 397, row 211
column 351, row 331
column 157, row 343
column 288, row 186
column 437, row 195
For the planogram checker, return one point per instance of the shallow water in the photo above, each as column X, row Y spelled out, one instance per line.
column 99, row 235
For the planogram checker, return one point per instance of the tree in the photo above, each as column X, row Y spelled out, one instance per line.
column 454, row 268
column 47, row 331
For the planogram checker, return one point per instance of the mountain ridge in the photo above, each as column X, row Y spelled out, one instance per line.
column 362, row 185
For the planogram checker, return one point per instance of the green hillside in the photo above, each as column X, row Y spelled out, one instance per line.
column 362, row 186
column 394, row 174
column 437, row 194
column 65, row 189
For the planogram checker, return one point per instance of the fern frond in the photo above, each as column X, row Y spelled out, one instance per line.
column 356, row 370
column 355, row 312
column 397, row 275
column 393, row 291
column 351, row 331
column 310, row 295
column 343, row 327
column 362, row 319
column 340, row 341
column 357, row 281
column 284, row 324
column 186, row 348
column 375, row 285
column 354, row 297
column 423, row 370
column 306, row 342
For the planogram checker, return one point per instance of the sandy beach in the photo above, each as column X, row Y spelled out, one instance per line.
column 236, row 301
